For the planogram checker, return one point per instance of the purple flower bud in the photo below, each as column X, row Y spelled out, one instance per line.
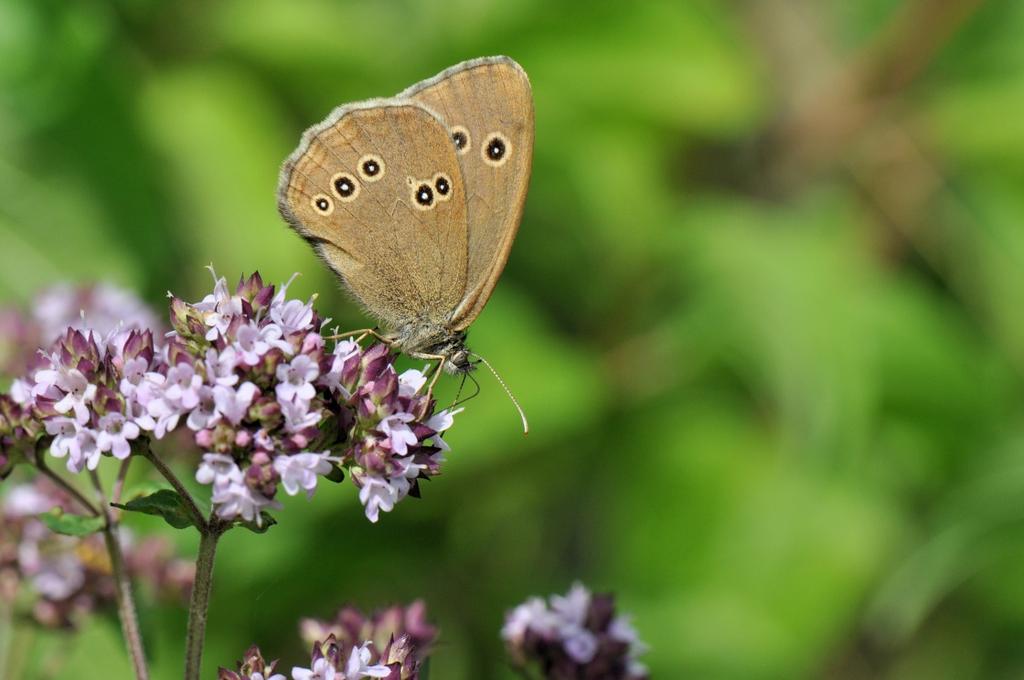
column 248, row 288
column 252, row 667
column 261, row 475
column 262, row 298
column 396, row 641
column 178, row 352
column 139, row 345
column 204, row 439
column 186, row 320
column 223, row 439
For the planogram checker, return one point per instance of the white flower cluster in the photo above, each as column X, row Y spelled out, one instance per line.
column 567, row 630
column 248, row 373
column 356, row 667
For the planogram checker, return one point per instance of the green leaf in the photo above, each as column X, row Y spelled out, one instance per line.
column 336, row 475
column 425, row 670
column 165, row 503
column 144, row 488
column 71, row 525
column 265, row 522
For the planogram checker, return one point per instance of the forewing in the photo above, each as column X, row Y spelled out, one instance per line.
column 353, row 190
column 484, row 100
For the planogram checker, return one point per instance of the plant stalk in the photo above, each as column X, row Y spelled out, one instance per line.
column 199, row 604
column 122, row 587
column 67, row 487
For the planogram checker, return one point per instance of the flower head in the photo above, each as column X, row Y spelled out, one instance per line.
column 270, row 403
column 251, row 667
column 576, row 635
column 391, row 643
column 277, row 392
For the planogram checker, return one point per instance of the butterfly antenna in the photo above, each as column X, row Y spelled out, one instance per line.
column 472, row 396
column 522, row 414
column 458, row 394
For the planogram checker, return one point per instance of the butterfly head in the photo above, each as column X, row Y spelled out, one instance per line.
column 428, row 342
column 453, row 347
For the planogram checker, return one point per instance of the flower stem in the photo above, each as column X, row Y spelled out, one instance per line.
column 190, row 503
column 522, row 672
column 23, row 645
column 122, row 475
column 200, row 602
column 122, row 587
column 6, row 633
column 210, row 532
column 65, row 485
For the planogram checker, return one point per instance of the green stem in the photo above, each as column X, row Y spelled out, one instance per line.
column 122, row 475
column 65, row 485
column 522, row 672
column 210, row 531
column 22, row 647
column 122, row 587
column 200, row 603
column 6, row 633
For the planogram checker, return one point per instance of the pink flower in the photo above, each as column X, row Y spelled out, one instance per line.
column 581, row 645
column 115, row 431
column 233, row 404
column 205, row 414
column 219, row 470
column 358, row 665
column 298, row 416
column 85, row 453
column 181, row 386
column 531, row 615
column 398, row 432
column 219, row 308
column 300, row 471
column 291, row 316
column 252, row 342
column 440, row 422
column 322, row 669
column 296, row 379
column 410, row 382
column 378, row 493
column 238, row 500
column 165, row 416
column 78, row 393
column 220, row 366
column 573, row 606
column 343, row 351
column 134, row 372
column 64, row 431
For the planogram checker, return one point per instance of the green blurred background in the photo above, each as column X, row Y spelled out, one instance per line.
column 763, row 312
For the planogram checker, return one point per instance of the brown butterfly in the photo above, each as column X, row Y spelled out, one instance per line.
column 414, row 200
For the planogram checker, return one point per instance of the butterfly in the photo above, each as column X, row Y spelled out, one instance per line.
column 414, row 200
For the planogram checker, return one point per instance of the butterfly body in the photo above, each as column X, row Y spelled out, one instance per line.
column 414, row 200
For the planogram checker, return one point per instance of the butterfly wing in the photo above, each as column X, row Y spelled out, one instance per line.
column 377, row 191
column 487, row 105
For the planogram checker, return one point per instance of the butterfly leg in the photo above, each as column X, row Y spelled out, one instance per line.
column 438, row 370
column 362, row 333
